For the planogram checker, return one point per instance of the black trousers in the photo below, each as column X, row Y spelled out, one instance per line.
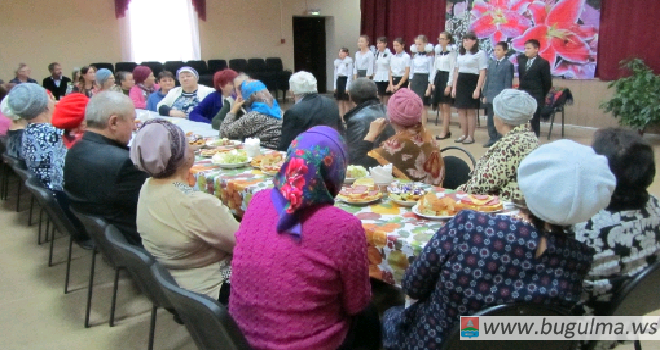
column 364, row 332
column 493, row 135
column 536, row 120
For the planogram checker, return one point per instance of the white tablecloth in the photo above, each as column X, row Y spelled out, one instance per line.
column 197, row 128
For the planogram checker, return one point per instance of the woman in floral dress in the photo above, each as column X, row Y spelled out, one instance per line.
column 412, row 150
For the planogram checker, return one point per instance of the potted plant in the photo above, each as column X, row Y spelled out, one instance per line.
column 636, row 100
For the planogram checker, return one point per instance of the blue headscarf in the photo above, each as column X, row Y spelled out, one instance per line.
column 247, row 89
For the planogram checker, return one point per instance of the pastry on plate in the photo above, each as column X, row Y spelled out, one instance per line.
column 484, row 203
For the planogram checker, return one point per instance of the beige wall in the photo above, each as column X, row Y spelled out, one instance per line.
column 77, row 32
column 73, row 32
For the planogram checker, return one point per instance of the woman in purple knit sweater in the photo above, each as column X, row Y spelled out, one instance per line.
column 300, row 275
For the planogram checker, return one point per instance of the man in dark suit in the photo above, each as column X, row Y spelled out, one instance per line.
column 311, row 109
column 500, row 77
column 99, row 176
column 535, row 78
column 56, row 82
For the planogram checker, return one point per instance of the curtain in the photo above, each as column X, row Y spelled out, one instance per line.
column 402, row 18
column 627, row 29
column 121, row 6
column 145, row 44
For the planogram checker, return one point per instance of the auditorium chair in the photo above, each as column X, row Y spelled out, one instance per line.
column 107, row 65
column 156, row 67
column 216, row 65
column 125, row 67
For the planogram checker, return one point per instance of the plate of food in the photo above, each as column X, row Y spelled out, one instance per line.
column 362, row 192
column 223, row 143
column 208, row 152
column 437, row 206
column 407, row 194
column 483, row 203
column 355, row 172
column 231, row 159
column 196, row 140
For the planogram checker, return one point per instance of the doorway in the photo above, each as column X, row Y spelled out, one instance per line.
column 309, row 48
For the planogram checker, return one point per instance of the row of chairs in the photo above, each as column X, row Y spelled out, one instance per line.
column 208, row 322
column 270, row 70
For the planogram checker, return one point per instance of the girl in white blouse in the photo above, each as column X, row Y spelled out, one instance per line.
column 364, row 59
column 343, row 74
column 445, row 62
column 382, row 71
column 399, row 66
column 469, row 77
column 421, row 68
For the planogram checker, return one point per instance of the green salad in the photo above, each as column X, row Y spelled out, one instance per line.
column 356, row 171
column 231, row 157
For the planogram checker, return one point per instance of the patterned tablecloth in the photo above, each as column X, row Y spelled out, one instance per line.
column 395, row 235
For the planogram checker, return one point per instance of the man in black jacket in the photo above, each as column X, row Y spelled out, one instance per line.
column 364, row 93
column 56, row 82
column 99, row 176
column 311, row 109
column 535, row 78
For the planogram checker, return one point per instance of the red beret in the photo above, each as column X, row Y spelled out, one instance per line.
column 141, row 73
column 70, row 111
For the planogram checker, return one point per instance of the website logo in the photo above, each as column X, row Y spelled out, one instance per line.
column 469, row 327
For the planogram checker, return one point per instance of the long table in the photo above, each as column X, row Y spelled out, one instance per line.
column 395, row 235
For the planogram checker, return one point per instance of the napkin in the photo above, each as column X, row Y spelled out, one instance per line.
column 382, row 174
column 252, row 147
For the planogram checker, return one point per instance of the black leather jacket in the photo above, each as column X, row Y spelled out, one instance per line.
column 358, row 121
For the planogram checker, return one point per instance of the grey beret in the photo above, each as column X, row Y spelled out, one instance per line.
column 102, row 76
column 27, row 100
column 514, row 107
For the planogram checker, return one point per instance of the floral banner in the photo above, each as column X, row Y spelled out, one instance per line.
column 566, row 29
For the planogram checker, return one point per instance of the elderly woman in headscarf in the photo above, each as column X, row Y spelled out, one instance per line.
column 14, row 136
column 496, row 171
column 145, row 85
column 69, row 116
column 180, row 101
column 190, row 232
column 412, row 150
column 42, row 146
column 105, row 81
column 263, row 119
column 318, row 253
column 223, row 81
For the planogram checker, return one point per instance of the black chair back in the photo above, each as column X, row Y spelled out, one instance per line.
column 457, row 172
column 453, row 339
column 46, row 199
column 207, row 321
column 138, row 263
column 95, row 227
column 216, row 65
column 239, row 65
column 174, row 66
column 107, row 65
column 274, row 64
column 256, row 65
column 156, row 67
column 125, row 66
column 200, row 66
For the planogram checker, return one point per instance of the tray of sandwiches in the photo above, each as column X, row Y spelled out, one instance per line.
column 362, row 192
column 268, row 163
column 441, row 206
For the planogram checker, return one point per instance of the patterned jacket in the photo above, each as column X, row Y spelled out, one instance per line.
column 253, row 125
column 496, row 172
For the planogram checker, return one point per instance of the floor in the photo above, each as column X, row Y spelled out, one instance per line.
column 36, row 314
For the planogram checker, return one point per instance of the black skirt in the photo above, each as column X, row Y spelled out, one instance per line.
column 341, row 93
column 441, row 80
column 396, row 80
column 419, row 84
column 361, row 73
column 465, row 86
column 382, row 88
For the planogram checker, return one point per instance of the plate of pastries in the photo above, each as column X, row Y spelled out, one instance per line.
column 407, row 194
column 441, row 206
column 362, row 192
column 268, row 163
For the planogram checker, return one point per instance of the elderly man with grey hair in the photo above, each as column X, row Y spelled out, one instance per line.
column 364, row 93
column 311, row 109
column 99, row 176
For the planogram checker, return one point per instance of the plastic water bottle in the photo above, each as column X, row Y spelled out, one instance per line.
column 69, row 88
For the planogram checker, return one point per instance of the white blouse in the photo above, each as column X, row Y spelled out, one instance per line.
column 399, row 63
column 344, row 68
column 445, row 63
column 382, row 72
column 421, row 64
column 364, row 62
column 470, row 63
